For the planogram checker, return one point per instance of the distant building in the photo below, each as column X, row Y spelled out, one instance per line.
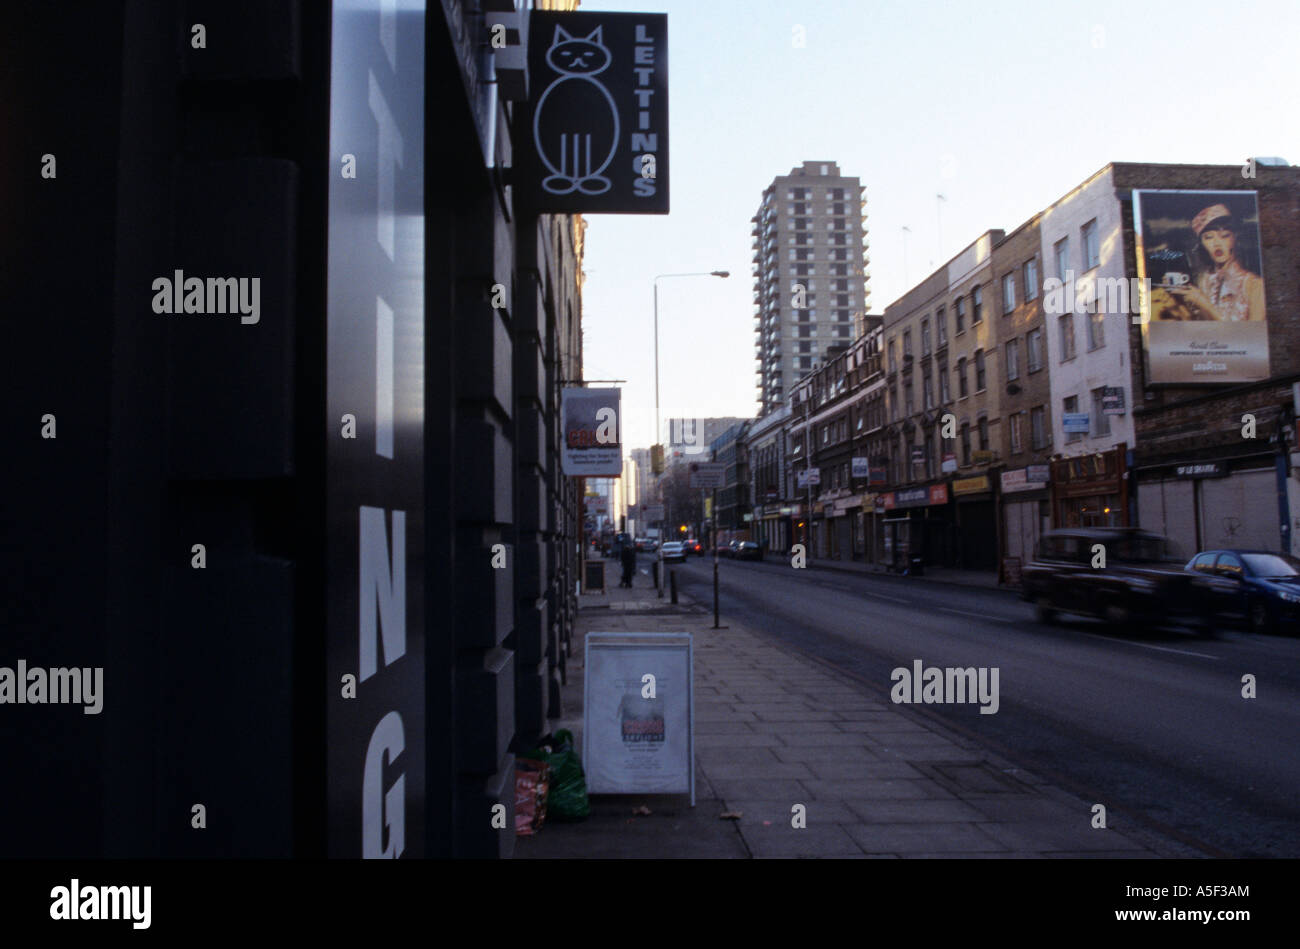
column 1022, row 389
column 810, row 274
column 734, row 515
column 766, row 441
column 689, row 438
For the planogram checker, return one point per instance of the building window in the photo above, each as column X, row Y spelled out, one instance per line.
column 1100, row 420
column 1008, row 292
column 893, row 403
column 1034, row 344
column 1070, row 406
column 983, row 427
column 1038, row 427
column 977, row 305
column 1096, row 330
column 893, row 361
column 907, row 345
column 1015, row 432
column 925, row 336
column 941, row 326
column 979, row 370
column 908, row 405
column 1091, row 245
column 961, row 315
column 943, row 385
column 927, row 389
column 1066, row 325
column 1062, row 257
column 1013, row 359
column 961, row 378
column 965, row 444
column 1031, row 279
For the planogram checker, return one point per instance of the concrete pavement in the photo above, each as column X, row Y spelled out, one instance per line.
column 776, row 729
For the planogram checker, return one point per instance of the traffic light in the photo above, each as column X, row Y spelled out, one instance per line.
column 682, row 528
column 657, row 459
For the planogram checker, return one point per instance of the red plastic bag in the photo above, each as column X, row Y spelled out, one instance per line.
column 532, row 782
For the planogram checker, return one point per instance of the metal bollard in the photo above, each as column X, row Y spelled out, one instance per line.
column 672, row 583
column 654, row 569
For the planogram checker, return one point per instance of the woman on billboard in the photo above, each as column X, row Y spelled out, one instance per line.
column 1224, row 289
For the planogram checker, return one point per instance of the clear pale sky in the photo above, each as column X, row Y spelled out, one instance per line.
column 1000, row 106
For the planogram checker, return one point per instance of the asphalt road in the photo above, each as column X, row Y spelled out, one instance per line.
column 1152, row 724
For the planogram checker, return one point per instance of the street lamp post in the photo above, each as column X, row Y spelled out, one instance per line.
column 663, row 276
column 663, row 525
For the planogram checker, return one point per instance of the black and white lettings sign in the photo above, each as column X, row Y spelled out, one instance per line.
column 598, row 113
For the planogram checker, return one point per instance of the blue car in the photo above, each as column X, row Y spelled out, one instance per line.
column 1258, row 588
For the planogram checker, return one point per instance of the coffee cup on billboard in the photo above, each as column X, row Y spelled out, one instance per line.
column 1175, row 279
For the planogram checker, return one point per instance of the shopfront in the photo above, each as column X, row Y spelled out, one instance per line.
column 1091, row 490
column 1025, row 510
column 845, row 531
column 976, row 518
column 915, row 526
column 1213, row 504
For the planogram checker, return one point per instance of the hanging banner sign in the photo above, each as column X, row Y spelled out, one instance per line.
column 596, row 138
column 808, row 477
column 708, row 474
column 591, row 432
column 860, row 467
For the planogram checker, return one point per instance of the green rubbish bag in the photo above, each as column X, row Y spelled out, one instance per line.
column 567, row 798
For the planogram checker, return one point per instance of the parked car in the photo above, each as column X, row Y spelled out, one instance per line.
column 1255, row 588
column 749, row 550
column 693, row 546
column 674, row 550
column 1140, row 582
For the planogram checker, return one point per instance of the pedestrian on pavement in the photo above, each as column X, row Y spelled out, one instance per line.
column 628, row 557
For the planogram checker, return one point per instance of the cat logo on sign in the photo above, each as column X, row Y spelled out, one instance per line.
column 598, row 115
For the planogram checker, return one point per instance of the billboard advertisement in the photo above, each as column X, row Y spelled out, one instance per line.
column 1203, row 320
column 592, row 442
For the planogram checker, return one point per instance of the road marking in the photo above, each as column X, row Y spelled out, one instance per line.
column 1128, row 642
column 1002, row 619
column 883, row 596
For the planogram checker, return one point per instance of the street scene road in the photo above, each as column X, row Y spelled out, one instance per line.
column 1153, row 724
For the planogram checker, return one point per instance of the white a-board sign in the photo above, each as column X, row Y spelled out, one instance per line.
column 638, row 733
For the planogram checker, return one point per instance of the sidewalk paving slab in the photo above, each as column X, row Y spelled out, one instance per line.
column 776, row 729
